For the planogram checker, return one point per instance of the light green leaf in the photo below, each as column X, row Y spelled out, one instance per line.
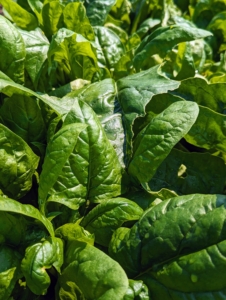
column 20, row 16
column 58, row 150
column 76, row 20
column 137, row 291
column 18, row 164
column 36, row 6
column 12, row 206
column 12, row 51
column 109, row 215
column 38, row 258
column 86, row 266
column 155, row 141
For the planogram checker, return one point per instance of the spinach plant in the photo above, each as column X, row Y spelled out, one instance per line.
column 113, row 150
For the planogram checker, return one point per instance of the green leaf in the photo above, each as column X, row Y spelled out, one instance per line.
column 23, row 116
column 76, row 20
column 18, row 164
column 38, row 258
column 12, row 206
column 164, row 39
column 82, row 269
column 188, row 173
column 191, row 275
column 108, row 46
column 168, row 231
column 12, row 51
column 137, row 291
column 155, row 141
column 9, row 271
column 78, row 62
column 135, row 92
column 52, row 16
column 20, row 16
column 36, row 6
column 217, row 26
column 209, row 130
column 101, row 97
column 109, row 215
column 37, row 46
column 58, row 150
column 93, row 167
column 97, row 10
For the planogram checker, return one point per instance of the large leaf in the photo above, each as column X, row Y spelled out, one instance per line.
column 188, row 172
column 86, row 266
column 164, row 39
column 135, row 92
column 109, row 215
column 93, row 167
column 58, row 151
column 38, row 258
column 18, row 164
column 12, row 206
column 175, row 227
column 12, row 51
column 155, row 141
column 101, row 97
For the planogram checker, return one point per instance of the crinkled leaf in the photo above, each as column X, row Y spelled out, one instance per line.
column 12, row 206
column 109, row 215
column 58, row 151
column 108, row 46
column 18, row 164
column 82, row 268
column 19, row 15
column 97, row 10
column 137, row 291
column 93, row 167
column 12, row 51
column 38, row 258
column 155, row 141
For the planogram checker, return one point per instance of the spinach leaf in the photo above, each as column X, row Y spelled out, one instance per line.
column 155, row 141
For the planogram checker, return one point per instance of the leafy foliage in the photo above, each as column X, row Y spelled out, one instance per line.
column 113, row 150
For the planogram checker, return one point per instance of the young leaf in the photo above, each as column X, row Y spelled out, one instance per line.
column 38, row 258
column 108, row 216
column 155, row 141
column 82, row 269
column 18, row 164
